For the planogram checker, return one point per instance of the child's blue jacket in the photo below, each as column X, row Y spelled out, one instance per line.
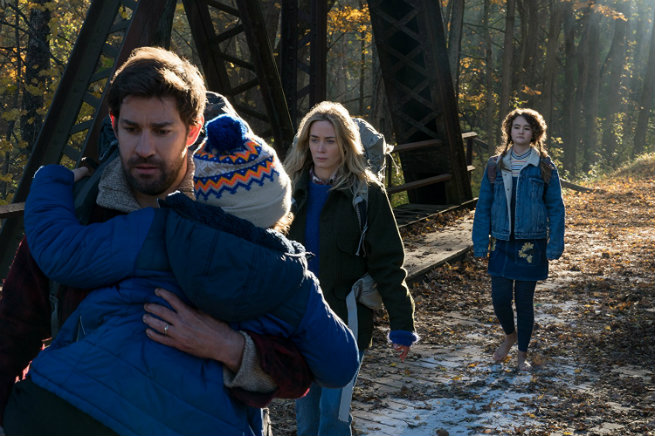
column 539, row 212
column 103, row 363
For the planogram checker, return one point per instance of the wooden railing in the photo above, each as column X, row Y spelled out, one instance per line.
column 14, row 209
column 468, row 137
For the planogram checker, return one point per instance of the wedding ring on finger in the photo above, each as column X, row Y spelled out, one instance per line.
column 166, row 329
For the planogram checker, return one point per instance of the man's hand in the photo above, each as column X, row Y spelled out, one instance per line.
column 193, row 332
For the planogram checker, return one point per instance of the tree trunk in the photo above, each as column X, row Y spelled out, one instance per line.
column 616, row 59
column 455, row 41
column 508, row 54
column 362, row 68
column 550, row 67
column 528, row 73
column 647, row 100
column 591, row 79
column 11, row 124
column 570, row 119
column 640, row 21
column 489, row 122
column 37, row 59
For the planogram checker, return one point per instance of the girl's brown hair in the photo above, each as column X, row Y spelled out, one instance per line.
column 538, row 140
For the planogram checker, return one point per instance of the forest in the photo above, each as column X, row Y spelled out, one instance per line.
column 587, row 66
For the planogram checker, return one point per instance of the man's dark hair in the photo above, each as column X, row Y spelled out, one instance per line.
column 157, row 72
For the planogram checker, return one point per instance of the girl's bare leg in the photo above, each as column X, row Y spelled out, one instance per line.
column 524, row 365
column 502, row 351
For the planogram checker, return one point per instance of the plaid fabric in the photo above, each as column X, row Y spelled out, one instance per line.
column 25, row 313
column 280, row 359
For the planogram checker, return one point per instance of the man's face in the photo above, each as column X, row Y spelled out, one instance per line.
column 153, row 141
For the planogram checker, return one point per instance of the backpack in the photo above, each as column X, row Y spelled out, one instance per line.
column 365, row 289
column 376, row 150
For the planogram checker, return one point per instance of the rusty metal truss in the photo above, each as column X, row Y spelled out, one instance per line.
column 227, row 33
column 255, row 88
column 70, row 129
column 411, row 47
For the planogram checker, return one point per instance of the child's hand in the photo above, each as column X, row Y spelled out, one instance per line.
column 79, row 173
column 403, row 349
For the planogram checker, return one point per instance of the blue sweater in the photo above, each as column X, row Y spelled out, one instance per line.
column 318, row 194
column 103, row 363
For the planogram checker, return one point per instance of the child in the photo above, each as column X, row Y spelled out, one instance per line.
column 520, row 206
column 103, row 363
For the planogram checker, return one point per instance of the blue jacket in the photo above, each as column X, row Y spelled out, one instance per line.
column 539, row 212
column 103, row 363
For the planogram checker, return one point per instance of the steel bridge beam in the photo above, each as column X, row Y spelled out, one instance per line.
column 257, row 79
column 411, row 47
column 71, row 126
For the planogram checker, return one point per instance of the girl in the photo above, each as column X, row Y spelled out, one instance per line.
column 328, row 169
column 520, row 205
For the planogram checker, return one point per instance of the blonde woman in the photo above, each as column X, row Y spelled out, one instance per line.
column 328, row 169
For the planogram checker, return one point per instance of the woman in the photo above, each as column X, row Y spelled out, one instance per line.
column 520, row 206
column 328, row 169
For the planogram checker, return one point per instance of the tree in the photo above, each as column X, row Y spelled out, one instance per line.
column 37, row 62
column 455, row 39
column 490, row 120
column 508, row 54
column 552, row 51
column 647, row 100
column 590, row 80
column 570, row 105
column 529, row 29
column 614, row 77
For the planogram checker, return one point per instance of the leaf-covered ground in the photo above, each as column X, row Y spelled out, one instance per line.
column 593, row 346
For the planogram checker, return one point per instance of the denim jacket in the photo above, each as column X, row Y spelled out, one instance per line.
column 539, row 212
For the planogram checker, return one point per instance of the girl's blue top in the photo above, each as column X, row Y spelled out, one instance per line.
column 538, row 213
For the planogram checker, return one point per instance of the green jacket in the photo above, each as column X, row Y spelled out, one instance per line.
column 339, row 267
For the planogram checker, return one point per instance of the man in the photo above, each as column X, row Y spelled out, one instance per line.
column 154, row 133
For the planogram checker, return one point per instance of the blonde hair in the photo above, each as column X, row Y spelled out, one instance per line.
column 538, row 140
column 353, row 172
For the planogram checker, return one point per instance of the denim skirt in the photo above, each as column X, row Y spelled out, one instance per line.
column 518, row 259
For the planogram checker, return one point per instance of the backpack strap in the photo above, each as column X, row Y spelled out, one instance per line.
column 546, row 166
column 492, row 169
column 360, row 203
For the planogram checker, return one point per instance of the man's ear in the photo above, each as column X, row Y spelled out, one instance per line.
column 194, row 131
column 114, row 126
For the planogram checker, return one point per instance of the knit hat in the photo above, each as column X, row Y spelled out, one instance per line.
column 239, row 172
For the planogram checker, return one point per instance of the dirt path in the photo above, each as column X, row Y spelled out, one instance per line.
column 593, row 344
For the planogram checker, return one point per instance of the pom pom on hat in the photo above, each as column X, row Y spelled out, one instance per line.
column 225, row 134
column 242, row 174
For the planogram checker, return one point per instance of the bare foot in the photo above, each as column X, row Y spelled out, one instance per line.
column 501, row 352
column 524, row 365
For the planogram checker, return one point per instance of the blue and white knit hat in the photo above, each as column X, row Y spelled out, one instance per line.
column 239, row 172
